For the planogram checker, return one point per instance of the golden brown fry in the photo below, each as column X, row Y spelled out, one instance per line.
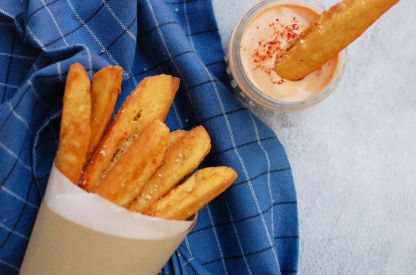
column 180, row 160
column 124, row 182
column 75, row 130
column 175, row 136
column 150, row 100
column 332, row 32
column 198, row 190
column 106, row 85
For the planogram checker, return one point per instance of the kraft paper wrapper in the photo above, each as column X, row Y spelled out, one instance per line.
column 81, row 233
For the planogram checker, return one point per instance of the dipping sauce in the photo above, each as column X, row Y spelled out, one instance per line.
column 266, row 37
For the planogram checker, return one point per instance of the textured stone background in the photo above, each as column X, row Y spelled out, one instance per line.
column 354, row 155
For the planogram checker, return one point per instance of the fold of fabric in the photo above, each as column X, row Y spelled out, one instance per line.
column 251, row 229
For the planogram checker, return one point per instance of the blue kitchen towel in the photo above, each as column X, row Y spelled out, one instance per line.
column 251, row 229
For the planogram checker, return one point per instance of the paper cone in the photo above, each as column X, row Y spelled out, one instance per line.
column 82, row 233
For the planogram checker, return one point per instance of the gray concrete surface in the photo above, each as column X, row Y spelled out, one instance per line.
column 354, row 155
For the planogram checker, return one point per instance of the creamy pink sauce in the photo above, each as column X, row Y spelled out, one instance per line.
column 266, row 38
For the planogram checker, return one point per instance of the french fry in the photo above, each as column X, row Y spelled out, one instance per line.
column 106, row 85
column 333, row 31
column 175, row 136
column 198, row 190
column 124, row 182
column 150, row 100
column 75, row 131
column 180, row 160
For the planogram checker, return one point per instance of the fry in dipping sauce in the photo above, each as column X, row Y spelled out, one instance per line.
column 333, row 31
column 268, row 35
column 75, row 133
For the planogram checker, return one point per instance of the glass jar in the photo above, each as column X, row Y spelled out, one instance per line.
column 247, row 91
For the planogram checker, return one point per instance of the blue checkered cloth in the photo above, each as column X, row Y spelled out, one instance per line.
column 250, row 229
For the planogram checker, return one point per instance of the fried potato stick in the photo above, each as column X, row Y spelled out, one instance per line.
column 124, row 182
column 333, row 31
column 75, row 131
column 106, row 85
column 180, row 160
column 198, row 190
column 175, row 136
column 150, row 100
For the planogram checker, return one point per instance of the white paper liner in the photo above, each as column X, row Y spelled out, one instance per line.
column 93, row 211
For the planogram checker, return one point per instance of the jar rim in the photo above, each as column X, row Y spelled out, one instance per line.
column 250, row 89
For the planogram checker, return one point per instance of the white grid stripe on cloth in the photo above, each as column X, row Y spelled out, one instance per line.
column 54, row 21
column 14, row 232
column 9, row 86
column 17, row 197
column 13, row 18
column 103, row 49
column 13, row 155
column 188, row 247
column 187, row 261
column 188, row 26
column 35, row 67
column 237, row 235
column 256, row 130
column 253, row 193
column 217, row 240
column 118, row 20
column 17, row 56
column 16, row 115
column 37, row 40
column 59, row 70
column 36, row 94
column 89, row 61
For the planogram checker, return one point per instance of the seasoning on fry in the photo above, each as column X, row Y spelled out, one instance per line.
column 150, row 100
column 180, row 160
column 134, row 168
column 199, row 189
column 136, row 163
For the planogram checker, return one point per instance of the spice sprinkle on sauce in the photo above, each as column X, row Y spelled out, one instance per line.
column 267, row 36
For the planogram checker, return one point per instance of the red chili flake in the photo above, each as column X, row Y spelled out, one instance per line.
column 279, row 82
column 269, row 49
